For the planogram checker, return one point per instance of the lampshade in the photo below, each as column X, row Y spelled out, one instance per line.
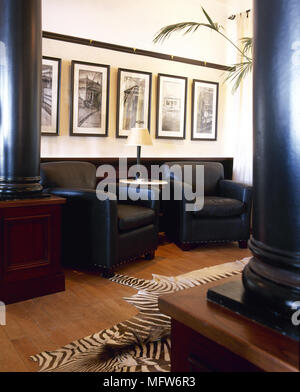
column 139, row 137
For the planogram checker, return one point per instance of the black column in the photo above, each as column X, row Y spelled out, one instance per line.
column 20, row 97
column 272, row 278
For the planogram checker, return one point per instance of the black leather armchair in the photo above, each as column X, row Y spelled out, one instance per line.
column 224, row 217
column 101, row 234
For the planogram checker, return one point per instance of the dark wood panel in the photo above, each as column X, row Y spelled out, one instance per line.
column 134, row 51
column 226, row 162
column 11, row 292
column 30, row 254
column 192, row 352
column 27, row 242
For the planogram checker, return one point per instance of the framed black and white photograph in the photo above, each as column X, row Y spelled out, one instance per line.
column 204, row 110
column 51, row 70
column 90, row 99
column 171, row 107
column 133, row 100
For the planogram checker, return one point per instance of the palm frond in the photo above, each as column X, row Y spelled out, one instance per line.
column 237, row 73
column 189, row 27
column 214, row 26
column 247, row 45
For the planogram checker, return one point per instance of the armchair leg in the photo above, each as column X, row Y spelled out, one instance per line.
column 107, row 273
column 150, row 255
column 243, row 244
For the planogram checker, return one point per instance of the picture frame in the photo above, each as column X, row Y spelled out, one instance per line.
column 134, row 93
column 89, row 115
column 51, row 81
column 205, row 101
column 171, row 107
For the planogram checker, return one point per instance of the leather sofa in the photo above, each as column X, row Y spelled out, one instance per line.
column 224, row 217
column 100, row 234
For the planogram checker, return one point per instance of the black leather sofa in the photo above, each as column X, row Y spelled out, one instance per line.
column 100, row 234
column 224, row 217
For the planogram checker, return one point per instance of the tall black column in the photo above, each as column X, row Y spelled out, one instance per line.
column 20, row 97
column 272, row 278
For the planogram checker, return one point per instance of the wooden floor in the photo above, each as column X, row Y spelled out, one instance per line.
column 91, row 303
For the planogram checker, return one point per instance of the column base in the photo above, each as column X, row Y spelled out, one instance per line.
column 278, row 298
column 272, row 277
column 24, row 190
column 233, row 296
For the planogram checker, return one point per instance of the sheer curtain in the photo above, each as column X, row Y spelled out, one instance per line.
column 243, row 143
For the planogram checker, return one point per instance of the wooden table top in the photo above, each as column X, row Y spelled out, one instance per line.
column 265, row 348
column 33, row 202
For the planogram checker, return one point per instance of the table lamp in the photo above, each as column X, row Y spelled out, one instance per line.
column 139, row 137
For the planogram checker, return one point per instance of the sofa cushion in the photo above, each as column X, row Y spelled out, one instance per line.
column 132, row 217
column 215, row 206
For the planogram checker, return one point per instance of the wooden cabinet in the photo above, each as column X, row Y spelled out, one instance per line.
column 193, row 352
column 30, row 248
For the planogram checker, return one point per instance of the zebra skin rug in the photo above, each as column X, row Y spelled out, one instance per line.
column 140, row 344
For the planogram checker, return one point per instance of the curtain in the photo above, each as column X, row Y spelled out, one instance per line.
column 243, row 108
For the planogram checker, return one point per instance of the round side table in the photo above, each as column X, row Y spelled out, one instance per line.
column 143, row 182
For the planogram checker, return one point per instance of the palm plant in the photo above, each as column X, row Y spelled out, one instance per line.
column 236, row 72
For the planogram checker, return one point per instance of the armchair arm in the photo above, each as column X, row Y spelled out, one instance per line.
column 89, row 226
column 178, row 217
column 236, row 190
column 73, row 193
column 243, row 193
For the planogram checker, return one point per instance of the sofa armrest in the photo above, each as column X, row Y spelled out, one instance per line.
column 236, row 190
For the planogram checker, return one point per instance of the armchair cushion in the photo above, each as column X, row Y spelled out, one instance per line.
column 215, row 206
column 132, row 217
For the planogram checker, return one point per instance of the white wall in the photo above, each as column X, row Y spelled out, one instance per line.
column 65, row 145
column 134, row 23
column 235, row 6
